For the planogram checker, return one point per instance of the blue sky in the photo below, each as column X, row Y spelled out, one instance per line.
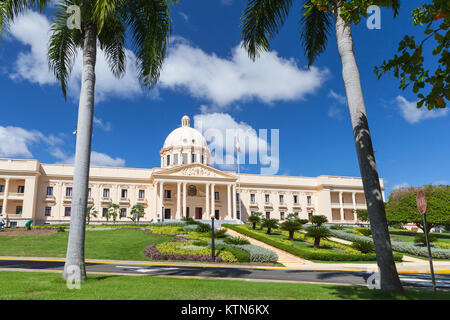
column 208, row 77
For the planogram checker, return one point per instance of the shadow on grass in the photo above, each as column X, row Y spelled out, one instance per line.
column 357, row 293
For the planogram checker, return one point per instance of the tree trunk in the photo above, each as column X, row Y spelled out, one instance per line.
column 317, row 242
column 254, row 226
column 75, row 249
column 291, row 235
column 389, row 279
column 268, row 230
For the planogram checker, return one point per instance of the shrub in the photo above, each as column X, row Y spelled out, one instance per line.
column 420, row 238
column 257, row 254
column 291, row 225
column 153, row 253
column 319, row 220
column 364, row 246
column 254, row 218
column 190, row 227
column 218, row 233
column 167, row 230
column 337, row 227
column 200, row 243
column 227, row 256
column 241, row 255
column 364, row 231
column 203, row 227
column 269, row 224
column 236, row 240
column 189, row 221
column 61, row 229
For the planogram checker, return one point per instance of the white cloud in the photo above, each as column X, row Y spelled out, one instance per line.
column 221, row 130
column 97, row 159
column 16, row 141
column 32, row 30
column 338, row 97
column 401, row 185
column 104, row 125
column 223, row 81
column 335, row 110
column 412, row 114
column 184, row 16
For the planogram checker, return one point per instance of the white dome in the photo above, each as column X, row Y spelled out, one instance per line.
column 185, row 136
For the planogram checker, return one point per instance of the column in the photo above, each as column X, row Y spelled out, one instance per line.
column 178, row 216
column 341, row 206
column 161, row 195
column 354, row 206
column 213, row 201
column 207, row 200
column 5, row 197
column 184, row 199
column 155, row 201
column 234, row 202
column 229, row 202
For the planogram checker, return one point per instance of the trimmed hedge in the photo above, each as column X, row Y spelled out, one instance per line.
column 405, row 247
column 309, row 254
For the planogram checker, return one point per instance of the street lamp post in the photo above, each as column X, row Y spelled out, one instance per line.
column 213, row 255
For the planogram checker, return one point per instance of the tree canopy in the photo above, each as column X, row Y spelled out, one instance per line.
column 402, row 207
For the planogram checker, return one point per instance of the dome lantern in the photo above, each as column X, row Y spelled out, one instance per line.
column 185, row 121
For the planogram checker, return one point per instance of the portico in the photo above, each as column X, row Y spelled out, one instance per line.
column 195, row 191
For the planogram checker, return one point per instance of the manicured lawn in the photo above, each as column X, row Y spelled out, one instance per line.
column 50, row 286
column 120, row 244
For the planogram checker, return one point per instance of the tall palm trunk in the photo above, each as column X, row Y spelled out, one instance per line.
column 389, row 279
column 75, row 249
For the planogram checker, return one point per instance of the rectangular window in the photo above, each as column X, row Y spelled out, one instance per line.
column 168, row 160
column 49, row 191
column 68, row 192
column 141, row 194
column 105, row 193
column 67, row 211
column 267, row 197
column 167, row 194
column 123, row 212
column 20, row 189
column 295, row 199
column 194, row 158
column 267, row 215
column 216, row 195
column 252, row 198
column 203, row 158
column 19, row 209
column 216, row 214
column 185, row 158
column 124, row 193
column 238, row 214
column 1, row 209
column 281, row 198
column 104, row 212
column 308, row 199
column 48, row 211
column 237, row 197
column 89, row 192
column 166, row 213
column 282, row 215
column 2, row 188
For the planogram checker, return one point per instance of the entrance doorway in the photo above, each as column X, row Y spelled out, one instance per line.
column 198, row 213
column 166, row 213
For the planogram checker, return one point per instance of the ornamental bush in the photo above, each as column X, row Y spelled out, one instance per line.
column 364, row 231
column 190, row 227
column 364, row 246
column 257, row 254
column 236, row 240
column 203, row 227
column 420, row 238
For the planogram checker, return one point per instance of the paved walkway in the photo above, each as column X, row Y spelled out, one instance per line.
column 285, row 258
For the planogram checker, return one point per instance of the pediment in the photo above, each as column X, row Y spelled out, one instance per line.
column 194, row 170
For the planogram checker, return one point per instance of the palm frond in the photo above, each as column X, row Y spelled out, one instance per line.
column 9, row 9
column 315, row 27
column 150, row 27
column 112, row 42
column 104, row 10
column 260, row 22
column 395, row 6
column 62, row 47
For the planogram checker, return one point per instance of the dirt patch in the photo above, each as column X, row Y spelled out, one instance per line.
column 25, row 232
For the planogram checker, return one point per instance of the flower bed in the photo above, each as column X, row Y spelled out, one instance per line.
column 406, row 247
column 348, row 253
column 153, row 253
column 257, row 254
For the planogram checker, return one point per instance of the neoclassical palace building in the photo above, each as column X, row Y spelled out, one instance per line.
column 185, row 185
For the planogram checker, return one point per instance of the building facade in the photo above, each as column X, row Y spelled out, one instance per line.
column 185, row 185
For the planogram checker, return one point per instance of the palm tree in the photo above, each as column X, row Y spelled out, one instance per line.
column 113, row 211
column 9, row 9
column 291, row 225
column 254, row 218
column 317, row 232
column 137, row 211
column 104, row 25
column 269, row 224
column 262, row 20
column 319, row 220
column 91, row 211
